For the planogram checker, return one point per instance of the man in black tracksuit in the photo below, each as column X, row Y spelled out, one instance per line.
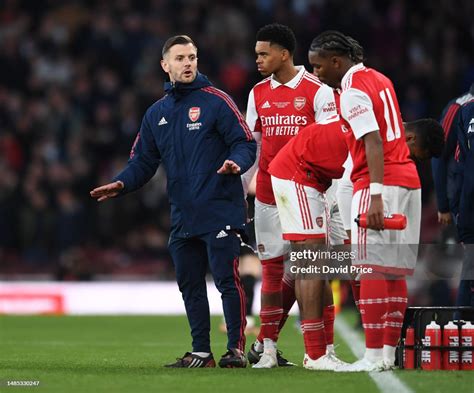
column 454, row 183
column 197, row 133
column 464, row 199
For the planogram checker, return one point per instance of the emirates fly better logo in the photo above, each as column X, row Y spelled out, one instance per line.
column 194, row 113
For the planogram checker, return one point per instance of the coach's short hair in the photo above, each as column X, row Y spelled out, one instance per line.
column 278, row 34
column 176, row 40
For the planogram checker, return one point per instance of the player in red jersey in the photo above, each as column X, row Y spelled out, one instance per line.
column 289, row 99
column 313, row 158
column 301, row 174
column 384, row 178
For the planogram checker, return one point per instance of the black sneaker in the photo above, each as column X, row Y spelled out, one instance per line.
column 233, row 358
column 190, row 360
column 254, row 356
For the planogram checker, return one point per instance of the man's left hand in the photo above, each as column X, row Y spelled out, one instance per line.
column 229, row 168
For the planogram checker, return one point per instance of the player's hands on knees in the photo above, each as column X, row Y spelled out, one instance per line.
column 445, row 218
column 375, row 213
column 229, row 167
column 107, row 191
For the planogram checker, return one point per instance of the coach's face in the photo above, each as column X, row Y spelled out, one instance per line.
column 269, row 57
column 180, row 63
column 326, row 67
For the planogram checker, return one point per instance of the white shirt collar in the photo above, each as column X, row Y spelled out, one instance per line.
column 350, row 71
column 292, row 83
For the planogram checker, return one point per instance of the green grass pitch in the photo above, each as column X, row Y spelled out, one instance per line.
column 126, row 354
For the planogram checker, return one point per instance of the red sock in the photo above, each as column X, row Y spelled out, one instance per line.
column 373, row 307
column 328, row 317
column 288, row 299
column 314, row 340
column 270, row 318
column 397, row 303
column 355, row 285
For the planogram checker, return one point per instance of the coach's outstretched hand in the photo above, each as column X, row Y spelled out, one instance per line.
column 107, row 191
column 229, row 168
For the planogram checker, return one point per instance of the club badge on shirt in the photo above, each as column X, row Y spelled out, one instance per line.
column 194, row 113
column 299, row 103
column 319, row 221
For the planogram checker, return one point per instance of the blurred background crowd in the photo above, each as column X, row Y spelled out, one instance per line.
column 77, row 76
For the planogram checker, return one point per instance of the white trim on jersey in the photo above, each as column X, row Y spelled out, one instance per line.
column 331, row 119
column 348, row 165
column 248, row 176
column 344, row 192
column 346, row 81
column 308, row 77
column 251, row 118
column 292, row 84
column 358, row 110
column 313, row 78
column 324, row 104
column 251, row 115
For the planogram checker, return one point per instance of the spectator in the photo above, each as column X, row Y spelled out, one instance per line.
column 75, row 70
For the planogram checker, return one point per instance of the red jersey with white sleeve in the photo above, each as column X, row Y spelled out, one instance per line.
column 369, row 103
column 279, row 112
column 315, row 156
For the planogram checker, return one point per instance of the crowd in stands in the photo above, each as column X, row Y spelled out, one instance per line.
column 77, row 76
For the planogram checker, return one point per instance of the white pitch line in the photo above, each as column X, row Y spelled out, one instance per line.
column 386, row 381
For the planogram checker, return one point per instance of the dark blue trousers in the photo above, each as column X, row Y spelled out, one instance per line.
column 466, row 286
column 220, row 251
column 465, row 295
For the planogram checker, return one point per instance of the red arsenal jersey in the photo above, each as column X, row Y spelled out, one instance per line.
column 369, row 103
column 315, row 156
column 279, row 112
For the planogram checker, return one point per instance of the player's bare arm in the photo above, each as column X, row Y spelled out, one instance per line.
column 107, row 191
column 374, row 153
